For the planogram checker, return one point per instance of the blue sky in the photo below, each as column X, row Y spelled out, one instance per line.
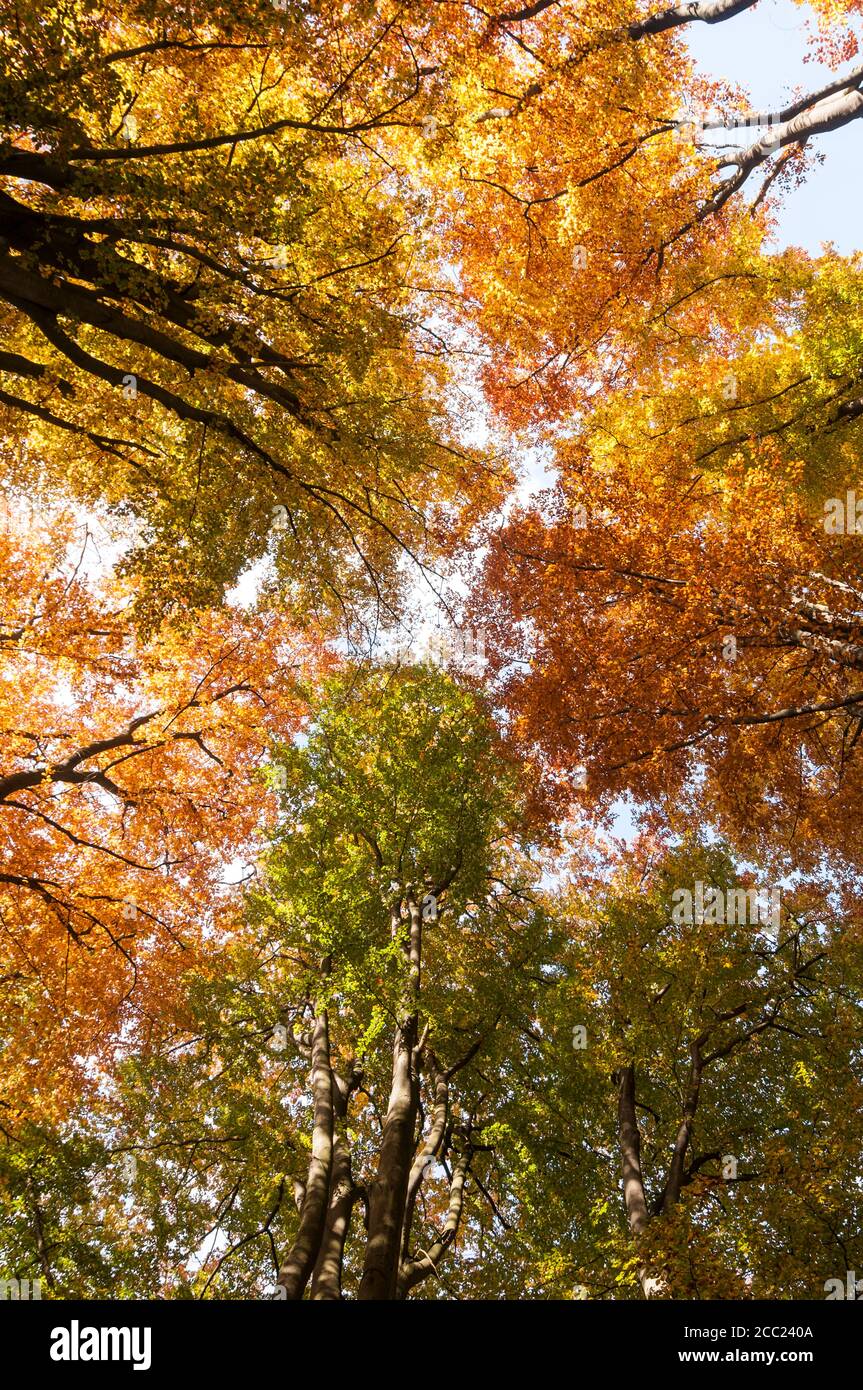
column 763, row 50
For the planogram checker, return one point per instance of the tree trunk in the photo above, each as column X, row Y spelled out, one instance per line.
column 412, row 1271
column 297, row 1269
column 428, row 1150
column 388, row 1195
column 634, row 1197
column 389, row 1189
column 671, row 1192
column 327, row 1277
column 630, row 1149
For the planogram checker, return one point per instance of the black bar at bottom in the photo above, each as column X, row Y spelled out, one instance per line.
column 83, row 1340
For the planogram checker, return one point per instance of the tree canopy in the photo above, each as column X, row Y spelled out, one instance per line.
column 522, row 962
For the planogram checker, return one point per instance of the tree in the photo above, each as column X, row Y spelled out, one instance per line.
column 128, row 786
column 723, row 1076
column 679, row 618
column 207, row 288
column 377, row 993
column 241, row 254
column 262, row 273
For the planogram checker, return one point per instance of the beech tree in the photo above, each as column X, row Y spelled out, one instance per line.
column 725, row 1070
column 407, row 806
column 228, row 254
column 684, row 603
column 128, row 786
column 326, row 978
column 353, row 1041
column 210, row 293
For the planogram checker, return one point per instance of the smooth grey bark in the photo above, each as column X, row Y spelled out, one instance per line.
column 634, row 1196
column 413, row 1271
column 630, row 1149
column 296, row 1271
column 327, row 1276
column 428, row 1150
column 816, row 117
column 388, row 1191
column 705, row 11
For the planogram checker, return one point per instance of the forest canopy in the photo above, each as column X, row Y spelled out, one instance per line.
column 418, row 881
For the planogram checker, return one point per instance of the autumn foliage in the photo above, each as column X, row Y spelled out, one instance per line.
column 430, row 550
